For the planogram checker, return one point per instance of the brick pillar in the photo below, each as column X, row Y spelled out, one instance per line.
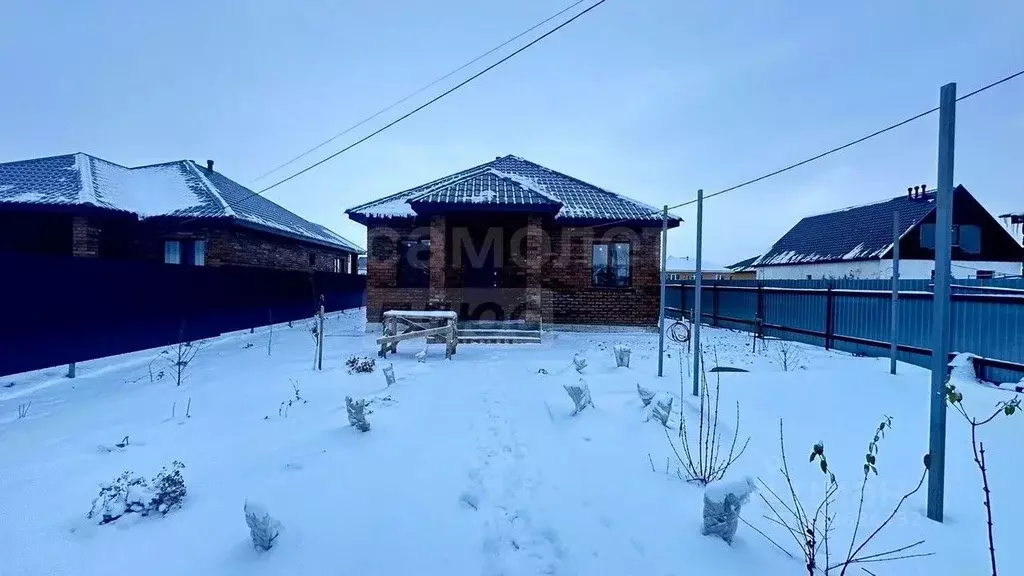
column 438, row 258
column 85, row 238
column 534, row 265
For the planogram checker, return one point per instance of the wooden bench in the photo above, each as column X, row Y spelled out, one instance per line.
column 434, row 325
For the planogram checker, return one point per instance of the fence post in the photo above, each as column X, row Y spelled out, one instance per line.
column 828, row 317
column 697, row 316
column 664, row 277
column 894, row 325
column 760, row 311
column 71, row 370
column 714, row 303
column 320, row 336
column 940, row 304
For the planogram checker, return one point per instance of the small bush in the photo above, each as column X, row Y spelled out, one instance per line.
column 622, row 356
column 580, row 394
column 357, row 414
column 579, row 362
column 661, row 410
column 360, row 364
column 129, row 494
column 263, row 529
column 645, row 395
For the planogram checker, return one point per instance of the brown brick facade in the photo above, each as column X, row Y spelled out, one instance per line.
column 85, row 237
column 115, row 236
column 547, row 274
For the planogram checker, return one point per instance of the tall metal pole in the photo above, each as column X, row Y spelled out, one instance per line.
column 894, row 324
column 664, row 278
column 940, row 313
column 696, row 294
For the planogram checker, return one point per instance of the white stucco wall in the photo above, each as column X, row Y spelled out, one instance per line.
column 881, row 269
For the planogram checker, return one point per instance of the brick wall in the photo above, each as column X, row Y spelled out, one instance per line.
column 567, row 278
column 557, row 281
column 85, row 237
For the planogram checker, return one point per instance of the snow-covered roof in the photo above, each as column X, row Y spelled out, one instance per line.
column 178, row 189
column 688, row 264
column 744, row 265
column 856, row 233
column 510, row 182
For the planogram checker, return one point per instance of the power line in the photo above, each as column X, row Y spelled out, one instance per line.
column 424, row 105
column 422, row 89
column 851, row 143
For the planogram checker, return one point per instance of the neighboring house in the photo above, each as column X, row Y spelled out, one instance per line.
column 744, row 269
column 511, row 239
column 857, row 242
column 1015, row 224
column 177, row 212
column 684, row 269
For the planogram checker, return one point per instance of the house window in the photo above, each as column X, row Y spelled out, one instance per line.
column 312, row 258
column 172, row 252
column 809, row 277
column 986, row 274
column 413, row 264
column 611, row 265
column 199, row 253
column 337, row 265
column 928, row 235
column 968, row 238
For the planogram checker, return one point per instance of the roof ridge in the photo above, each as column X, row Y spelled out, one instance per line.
column 534, row 186
column 70, row 154
column 228, row 211
column 462, row 176
column 398, row 195
column 87, row 195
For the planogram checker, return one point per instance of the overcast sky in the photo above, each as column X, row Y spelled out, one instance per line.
column 649, row 98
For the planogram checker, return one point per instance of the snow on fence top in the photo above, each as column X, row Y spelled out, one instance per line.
column 180, row 188
column 512, row 182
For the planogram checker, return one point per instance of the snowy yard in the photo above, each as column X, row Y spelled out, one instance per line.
column 475, row 465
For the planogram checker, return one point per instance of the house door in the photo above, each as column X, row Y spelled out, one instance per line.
column 481, row 265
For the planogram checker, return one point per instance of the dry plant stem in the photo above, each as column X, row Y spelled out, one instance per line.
column 988, row 506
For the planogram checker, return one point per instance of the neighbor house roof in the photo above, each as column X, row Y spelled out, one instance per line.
column 743, row 265
column 855, row 233
column 175, row 189
column 512, row 183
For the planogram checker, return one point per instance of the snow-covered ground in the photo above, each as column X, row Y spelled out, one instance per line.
column 475, row 465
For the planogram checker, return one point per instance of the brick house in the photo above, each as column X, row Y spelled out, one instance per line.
column 176, row 212
column 510, row 239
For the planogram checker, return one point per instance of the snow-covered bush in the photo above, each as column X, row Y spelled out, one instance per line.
column 389, row 374
column 645, row 395
column 722, row 503
column 296, row 398
column 580, row 394
column 622, row 356
column 360, row 364
column 129, row 494
column 357, row 414
column 579, row 362
column 661, row 410
column 421, row 356
column 263, row 528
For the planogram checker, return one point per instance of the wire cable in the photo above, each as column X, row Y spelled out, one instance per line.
column 419, row 91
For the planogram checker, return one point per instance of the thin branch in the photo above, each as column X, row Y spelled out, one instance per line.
column 891, row 516
column 988, row 508
column 755, row 529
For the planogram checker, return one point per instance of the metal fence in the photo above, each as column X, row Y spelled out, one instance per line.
column 987, row 316
column 55, row 310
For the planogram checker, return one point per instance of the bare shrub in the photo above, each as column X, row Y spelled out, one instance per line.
column 705, row 460
column 177, row 359
column 296, row 398
column 812, row 531
column 1005, row 408
column 23, row 409
column 788, row 355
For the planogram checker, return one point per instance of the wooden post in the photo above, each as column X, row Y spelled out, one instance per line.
column 71, row 370
column 320, row 337
column 828, row 317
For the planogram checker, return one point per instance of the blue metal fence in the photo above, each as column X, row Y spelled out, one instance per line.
column 55, row 310
column 987, row 316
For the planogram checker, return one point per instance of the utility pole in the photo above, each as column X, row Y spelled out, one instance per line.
column 664, row 278
column 894, row 324
column 696, row 294
column 940, row 313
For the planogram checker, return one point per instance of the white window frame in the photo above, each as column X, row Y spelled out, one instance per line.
column 172, row 252
column 337, row 265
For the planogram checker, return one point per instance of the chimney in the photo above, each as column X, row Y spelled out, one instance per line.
column 924, row 188
column 209, row 165
column 910, row 192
